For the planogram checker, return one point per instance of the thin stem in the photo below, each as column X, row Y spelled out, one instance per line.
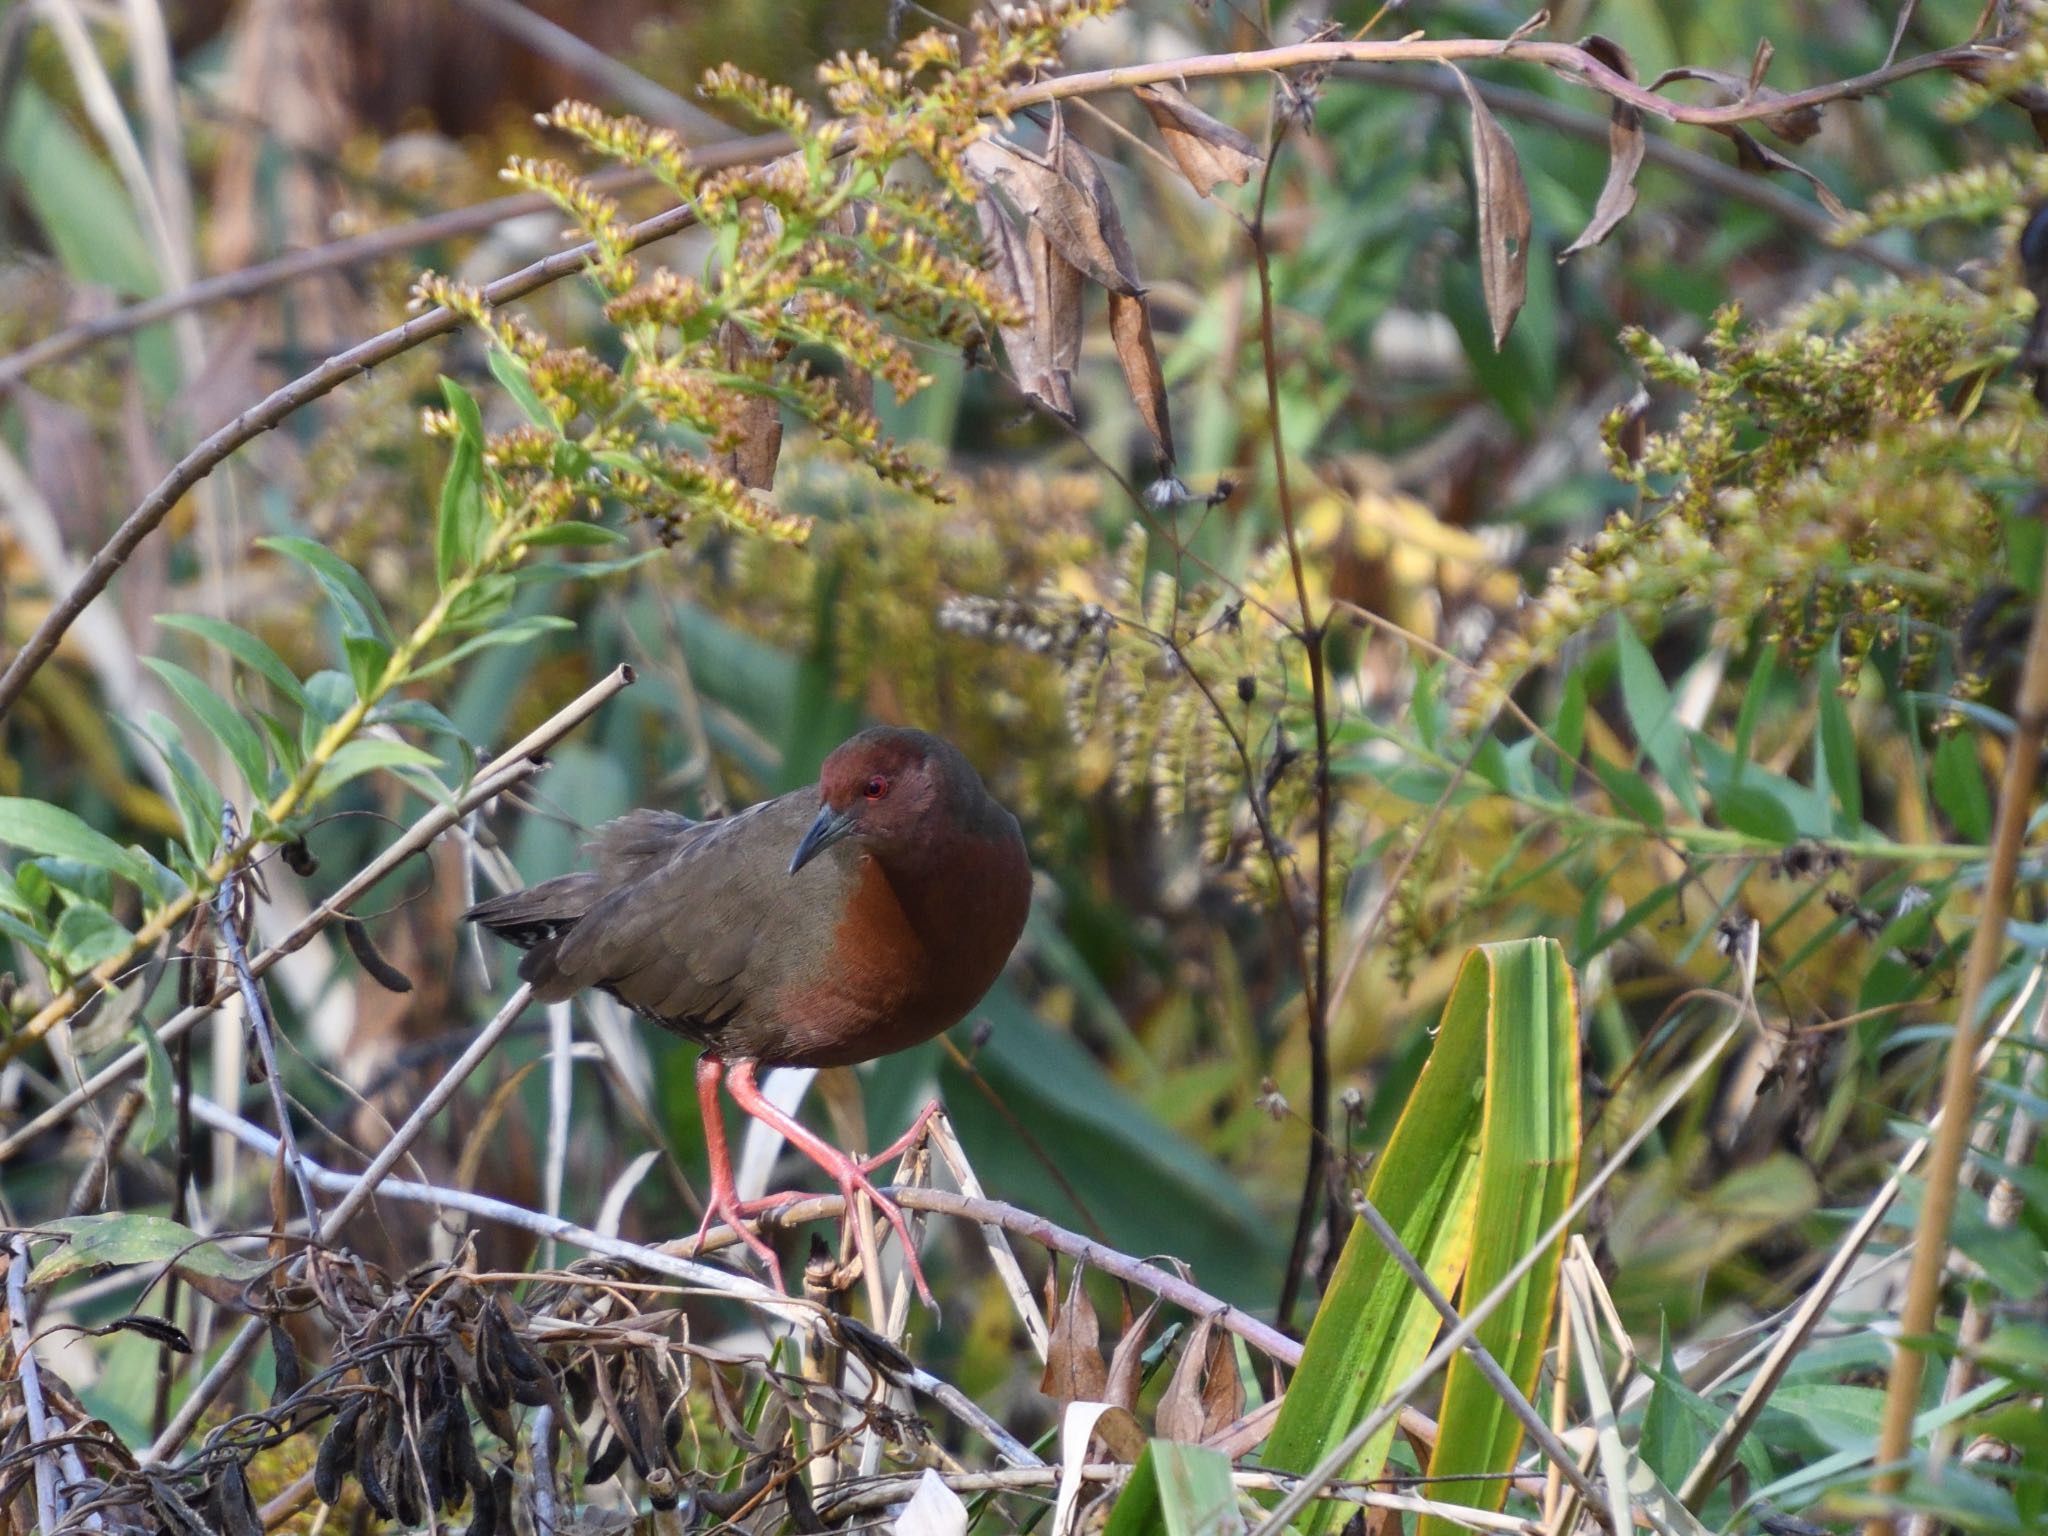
column 1959, row 1083
column 49, row 1503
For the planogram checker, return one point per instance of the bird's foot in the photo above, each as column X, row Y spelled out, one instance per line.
column 726, row 1206
column 849, row 1175
column 905, row 1142
column 853, row 1182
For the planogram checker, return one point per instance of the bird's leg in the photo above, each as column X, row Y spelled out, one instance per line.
column 846, row 1173
column 905, row 1142
column 724, row 1201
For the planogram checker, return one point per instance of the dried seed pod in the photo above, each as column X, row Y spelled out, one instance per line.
column 375, row 966
column 289, row 1372
column 369, row 1476
column 605, row 1464
column 234, row 1511
column 337, row 1452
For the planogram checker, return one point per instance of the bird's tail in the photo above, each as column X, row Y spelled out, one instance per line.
column 538, row 913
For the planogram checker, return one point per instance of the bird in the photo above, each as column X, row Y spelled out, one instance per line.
column 841, row 922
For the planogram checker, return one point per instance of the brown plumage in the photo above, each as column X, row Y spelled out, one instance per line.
column 828, row 926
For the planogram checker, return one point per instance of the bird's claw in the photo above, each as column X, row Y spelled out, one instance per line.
column 735, row 1214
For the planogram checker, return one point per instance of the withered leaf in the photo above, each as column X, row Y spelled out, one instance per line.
column 1625, row 148
column 1206, row 1395
column 1795, row 125
column 1014, row 256
column 1503, row 201
column 1057, row 283
column 1206, row 150
column 752, row 459
column 1753, row 155
column 1128, row 1359
column 1074, row 1371
column 1130, row 327
column 1067, row 199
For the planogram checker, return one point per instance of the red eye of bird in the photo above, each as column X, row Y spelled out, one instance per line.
column 876, row 787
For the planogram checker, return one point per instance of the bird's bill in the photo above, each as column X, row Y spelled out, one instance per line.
column 830, row 826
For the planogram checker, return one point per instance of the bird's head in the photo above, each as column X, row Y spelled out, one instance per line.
column 884, row 788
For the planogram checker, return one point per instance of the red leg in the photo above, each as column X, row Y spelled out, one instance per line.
column 724, row 1202
column 846, row 1173
column 903, row 1143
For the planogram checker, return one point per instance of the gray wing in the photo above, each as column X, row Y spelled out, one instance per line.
column 699, row 921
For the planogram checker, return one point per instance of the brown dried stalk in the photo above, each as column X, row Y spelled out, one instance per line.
column 1959, row 1081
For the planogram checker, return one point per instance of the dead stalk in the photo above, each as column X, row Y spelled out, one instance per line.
column 1959, row 1081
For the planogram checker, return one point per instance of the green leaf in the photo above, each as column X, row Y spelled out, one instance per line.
column 1834, row 746
column 356, row 758
column 1484, row 1157
column 458, row 532
column 244, row 647
column 361, row 613
column 1753, row 697
column 367, row 659
column 1752, row 809
column 199, row 799
column 511, row 373
column 469, row 416
column 1959, row 786
column 221, row 719
column 481, row 601
column 1653, row 716
column 37, row 827
column 1177, row 1490
column 1631, row 793
column 1671, row 1440
column 517, row 631
column 87, row 935
column 124, row 1239
column 572, row 532
column 1569, row 731
column 162, row 1118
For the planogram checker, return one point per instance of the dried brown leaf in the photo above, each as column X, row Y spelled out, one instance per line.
column 751, row 461
column 1625, row 148
column 1130, row 327
column 1206, row 1394
column 1068, row 199
column 1009, row 272
column 1074, row 1371
column 1057, row 283
column 1128, row 1358
column 1206, row 150
column 1503, row 201
column 1755, row 156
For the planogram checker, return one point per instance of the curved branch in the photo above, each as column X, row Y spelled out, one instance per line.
column 356, row 251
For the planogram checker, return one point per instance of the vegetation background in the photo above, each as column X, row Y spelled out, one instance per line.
column 1402, row 494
